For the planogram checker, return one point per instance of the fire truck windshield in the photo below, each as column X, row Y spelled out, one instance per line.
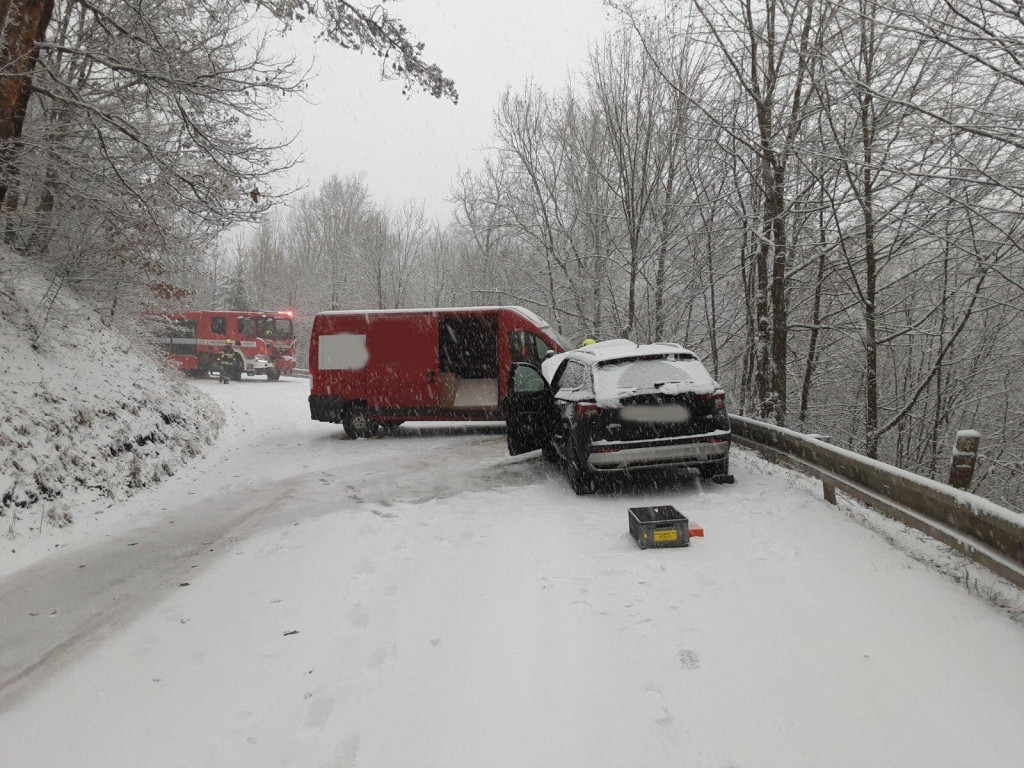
column 276, row 329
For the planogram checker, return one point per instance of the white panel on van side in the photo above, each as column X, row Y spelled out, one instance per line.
column 343, row 352
column 476, row 393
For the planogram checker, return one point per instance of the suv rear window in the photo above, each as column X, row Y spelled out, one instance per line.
column 615, row 377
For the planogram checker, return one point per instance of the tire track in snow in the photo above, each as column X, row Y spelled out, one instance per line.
column 58, row 607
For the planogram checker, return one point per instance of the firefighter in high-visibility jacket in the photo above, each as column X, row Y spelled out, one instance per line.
column 227, row 361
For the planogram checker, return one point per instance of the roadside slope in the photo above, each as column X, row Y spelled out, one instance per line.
column 85, row 415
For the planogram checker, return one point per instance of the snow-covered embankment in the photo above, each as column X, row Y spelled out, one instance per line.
column 86, row 413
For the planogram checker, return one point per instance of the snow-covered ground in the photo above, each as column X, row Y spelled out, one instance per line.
column 85, row 418
column 299, row 599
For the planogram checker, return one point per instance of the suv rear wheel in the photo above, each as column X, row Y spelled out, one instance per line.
column 581, row 479
column 714, row 468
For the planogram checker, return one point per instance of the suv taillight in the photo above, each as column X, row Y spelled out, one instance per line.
column 718, row 400
column 587, row 411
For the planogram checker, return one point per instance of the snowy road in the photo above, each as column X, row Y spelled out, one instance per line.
column 424, row 600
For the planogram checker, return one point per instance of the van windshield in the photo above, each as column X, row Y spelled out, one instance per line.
column 558, row 338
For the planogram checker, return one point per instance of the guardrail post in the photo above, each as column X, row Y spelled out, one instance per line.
column 828, row 490
column 965, row 458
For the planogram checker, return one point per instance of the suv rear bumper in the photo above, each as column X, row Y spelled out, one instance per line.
column 673, row 452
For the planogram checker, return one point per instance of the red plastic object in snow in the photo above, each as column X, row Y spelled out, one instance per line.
column 696, row 531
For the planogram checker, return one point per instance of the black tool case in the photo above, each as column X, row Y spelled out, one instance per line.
column 661, row 526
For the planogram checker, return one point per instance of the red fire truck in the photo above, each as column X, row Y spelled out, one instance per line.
column 264, row 342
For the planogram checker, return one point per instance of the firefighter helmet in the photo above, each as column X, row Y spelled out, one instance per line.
column 587, row 343
column 229, row 343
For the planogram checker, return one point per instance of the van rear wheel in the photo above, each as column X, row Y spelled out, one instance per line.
column 358, row 424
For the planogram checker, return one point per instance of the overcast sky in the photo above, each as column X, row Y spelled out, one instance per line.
column 412, row 147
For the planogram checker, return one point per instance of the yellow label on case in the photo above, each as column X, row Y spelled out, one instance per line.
column 666, row 534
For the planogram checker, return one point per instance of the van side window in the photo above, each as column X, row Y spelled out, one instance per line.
column 527, row 348
column 542, row 347
column 247, row 326
column 219, row 325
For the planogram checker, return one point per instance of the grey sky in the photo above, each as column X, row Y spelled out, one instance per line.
column 412, row 147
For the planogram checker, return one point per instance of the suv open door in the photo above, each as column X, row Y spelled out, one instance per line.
column 529, row 409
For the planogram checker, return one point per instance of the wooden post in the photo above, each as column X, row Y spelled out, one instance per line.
column 965, row 457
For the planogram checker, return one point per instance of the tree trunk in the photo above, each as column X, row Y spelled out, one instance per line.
column 812, row 346
column 870, row 260
column 24, row 26
column 659, row 279
column 780, row 319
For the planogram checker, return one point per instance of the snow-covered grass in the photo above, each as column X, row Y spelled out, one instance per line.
column 86, row 416
column 975, row 579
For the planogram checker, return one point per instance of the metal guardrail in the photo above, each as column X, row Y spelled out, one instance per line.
column 303, row 372
column 987, row 533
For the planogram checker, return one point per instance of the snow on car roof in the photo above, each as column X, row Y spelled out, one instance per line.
column 614, row 349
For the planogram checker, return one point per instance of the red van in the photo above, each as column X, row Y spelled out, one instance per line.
column 378, row 368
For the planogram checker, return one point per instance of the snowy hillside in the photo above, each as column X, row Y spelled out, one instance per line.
column 84, row 415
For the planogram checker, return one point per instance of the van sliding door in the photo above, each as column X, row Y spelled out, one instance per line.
column 403, row 366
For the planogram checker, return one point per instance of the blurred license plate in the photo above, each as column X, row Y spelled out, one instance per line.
column 669, row 413
column 666, row 534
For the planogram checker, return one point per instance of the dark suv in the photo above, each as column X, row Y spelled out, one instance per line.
column 617, row 406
